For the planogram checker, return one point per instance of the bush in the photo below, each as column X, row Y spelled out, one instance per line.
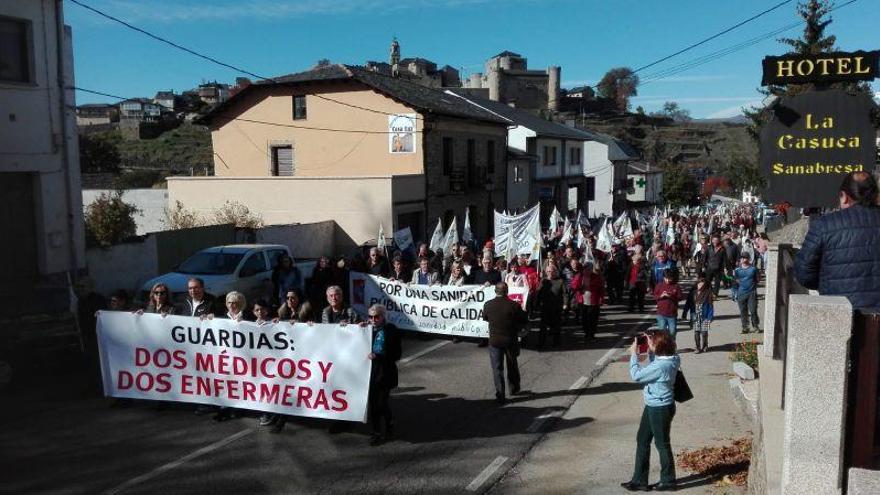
column 99, row 153
column 181, row 218
column 238, row 215
column 109, row 220
column 746, row 352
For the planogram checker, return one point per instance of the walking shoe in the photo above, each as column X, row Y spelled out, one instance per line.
column 664, row 487
column 745, row 330
column 634, row 487
column 500, row 400
column 757, row 330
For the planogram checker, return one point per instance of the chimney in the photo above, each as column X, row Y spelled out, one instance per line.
column 553, row 73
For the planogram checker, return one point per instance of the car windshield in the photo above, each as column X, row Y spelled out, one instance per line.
column 210, row 263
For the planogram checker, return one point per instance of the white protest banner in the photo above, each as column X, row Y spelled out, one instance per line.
column 437, row 238
column 442, row 309
column 316, row 370
column 518, row 234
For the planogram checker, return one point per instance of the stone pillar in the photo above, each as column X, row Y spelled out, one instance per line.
column 493, row 79
column 553, row 75
column 815, row 394
column 771, row 274
column 476, row 80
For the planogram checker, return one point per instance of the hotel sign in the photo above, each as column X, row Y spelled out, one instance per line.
column 812, row 141
column 821, row 68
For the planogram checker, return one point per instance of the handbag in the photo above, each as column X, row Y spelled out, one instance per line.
column 682, row 391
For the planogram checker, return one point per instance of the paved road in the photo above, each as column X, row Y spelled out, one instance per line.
column 451, row 436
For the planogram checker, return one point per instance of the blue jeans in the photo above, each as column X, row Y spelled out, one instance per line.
column 669, row 323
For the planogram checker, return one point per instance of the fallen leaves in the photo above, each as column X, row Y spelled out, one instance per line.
column 727, row 465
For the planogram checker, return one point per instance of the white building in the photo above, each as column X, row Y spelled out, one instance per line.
column 556, row 153
column 40, row 190
column 605, row 168
column 644, row 185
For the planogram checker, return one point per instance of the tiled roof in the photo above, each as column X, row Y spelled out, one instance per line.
column 541, row 127
column 421, row 98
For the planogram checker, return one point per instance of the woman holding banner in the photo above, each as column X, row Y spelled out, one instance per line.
column 456, row 274
column 160, row 301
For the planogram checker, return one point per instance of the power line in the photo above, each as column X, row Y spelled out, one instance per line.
column 676, row 69
column 262, row 122
column 212, row 59
column 710, row 38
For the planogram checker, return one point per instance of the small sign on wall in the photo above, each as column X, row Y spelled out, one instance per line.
column 402, row 133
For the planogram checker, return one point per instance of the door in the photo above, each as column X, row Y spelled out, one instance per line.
column 18, row 271
column 252, row 277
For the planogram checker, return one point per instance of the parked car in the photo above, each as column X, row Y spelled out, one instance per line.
column 246, row 268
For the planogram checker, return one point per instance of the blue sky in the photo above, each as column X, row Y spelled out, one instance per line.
column 585, row 38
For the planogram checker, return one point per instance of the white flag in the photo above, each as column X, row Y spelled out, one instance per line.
column 437, row 238
column 603, row 241
column 582, row 219
column 466, row 234
column 451, row 237
column 581, row 239
column 380, row 239
column 566, row 232
column 554, row 219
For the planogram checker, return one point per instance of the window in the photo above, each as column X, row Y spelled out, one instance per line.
column 255, row 264
column 282, row 161
column 630, row 183
column 549, row 155
column 447, row 156
column 15, row 50
column 490, row 157
column 299, row 107
column 274, row 255
column 473, row 178
column 574, row 156
column 517, row 173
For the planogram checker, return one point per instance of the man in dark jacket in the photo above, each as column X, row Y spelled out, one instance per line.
column 505, row 319
column 550, row 297
column 841, row 253
column 384, row 354
column 198, row 303
column 716, row 262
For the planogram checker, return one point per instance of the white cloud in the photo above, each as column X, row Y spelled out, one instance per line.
column 732, row 111
column 695, row 78
column 693, row 99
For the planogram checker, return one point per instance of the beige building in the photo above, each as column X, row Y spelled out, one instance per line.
column 40, row 199
column 357, row 146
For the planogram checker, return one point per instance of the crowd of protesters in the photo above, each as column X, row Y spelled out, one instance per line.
column 576, row 274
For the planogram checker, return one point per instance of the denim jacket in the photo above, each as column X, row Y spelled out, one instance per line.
column 658, row 377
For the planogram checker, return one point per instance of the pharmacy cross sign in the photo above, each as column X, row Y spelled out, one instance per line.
column 641, row 182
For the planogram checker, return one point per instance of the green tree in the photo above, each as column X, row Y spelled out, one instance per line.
column 619, row 84
column 815, row 14
column 679, row 186
column 744, row 174
column 99, row 153
column 673, row 111
column 109, row 219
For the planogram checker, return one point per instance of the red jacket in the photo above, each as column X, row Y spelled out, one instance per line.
column 667, row 306
column 588, row 281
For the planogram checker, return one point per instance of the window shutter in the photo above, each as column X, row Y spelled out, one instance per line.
column 285, row 161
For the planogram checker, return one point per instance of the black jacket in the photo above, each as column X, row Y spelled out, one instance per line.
column 384, row 367
column 841, row 256
column 505, row 319
column 208, row 307
column 716, row 259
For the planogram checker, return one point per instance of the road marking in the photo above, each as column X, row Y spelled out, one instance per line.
column 486, row 473
column 179, row 462
column 541, row 420
column 421, row 353
column 579, row 383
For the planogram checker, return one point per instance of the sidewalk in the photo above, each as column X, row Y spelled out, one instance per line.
column 597, row 456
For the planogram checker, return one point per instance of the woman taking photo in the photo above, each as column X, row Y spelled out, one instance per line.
column 658, row 379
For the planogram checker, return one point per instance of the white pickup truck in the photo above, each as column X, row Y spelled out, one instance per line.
column 246, row 268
